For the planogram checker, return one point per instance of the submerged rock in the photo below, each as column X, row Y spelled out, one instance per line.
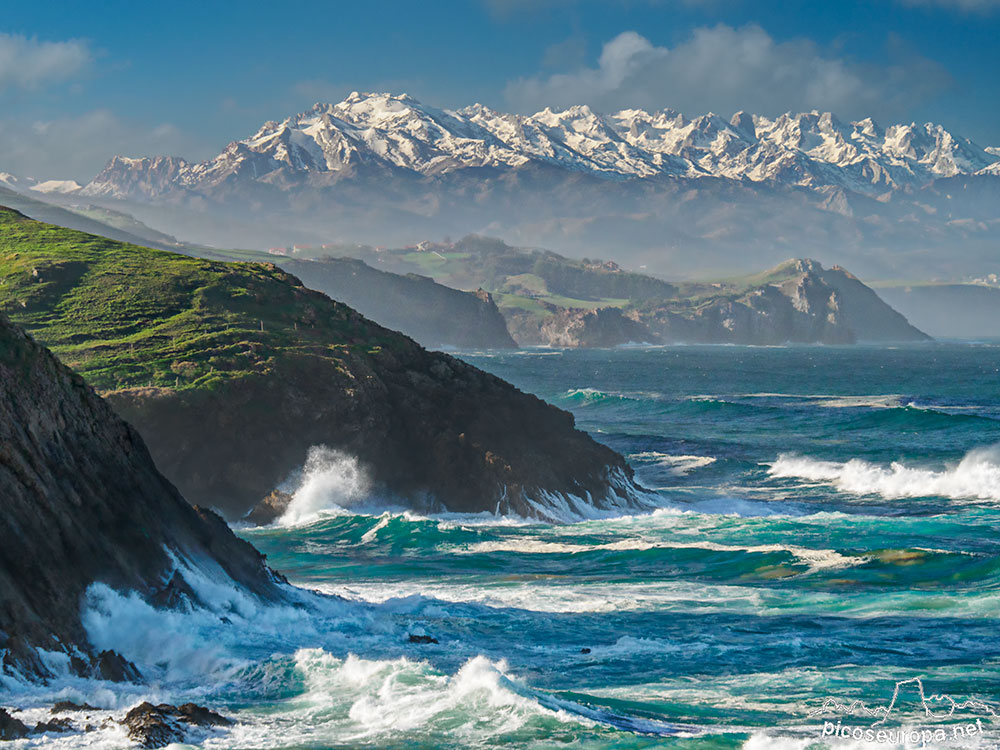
column 11, row 728
column 57, row 726
column 416, row 638
column 62, row 707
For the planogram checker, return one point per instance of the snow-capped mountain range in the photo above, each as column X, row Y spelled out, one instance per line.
column 393, row 134
column 13, row 182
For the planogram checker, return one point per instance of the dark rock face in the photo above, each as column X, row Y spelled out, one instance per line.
column 83, row 502
column 270, row 509
column 11, row 728
column 604, row 327
column 114, row 667
column 56, row 726
column 422, row 639
column 152, row 726
column 430, row 430
column 430, row 313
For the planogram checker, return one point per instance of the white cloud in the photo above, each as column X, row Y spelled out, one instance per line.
column 79, row 147
column 28, row 63
column 724, row 69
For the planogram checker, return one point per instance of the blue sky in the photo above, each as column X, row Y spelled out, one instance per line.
column 82, row 81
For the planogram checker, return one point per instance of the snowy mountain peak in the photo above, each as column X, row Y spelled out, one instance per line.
column 388, row 132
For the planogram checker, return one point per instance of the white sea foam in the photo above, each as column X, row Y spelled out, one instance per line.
column 815, row 559
column 330, row 483
column 687, row 596
column 418, row 597
column 676, row 465
column 176, row 647
column 361, row 700
column 975, row 477
column 833, row 401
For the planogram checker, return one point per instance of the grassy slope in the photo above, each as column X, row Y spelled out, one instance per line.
column 126, row 316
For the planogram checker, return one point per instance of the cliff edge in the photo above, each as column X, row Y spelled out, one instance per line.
column 82, row 503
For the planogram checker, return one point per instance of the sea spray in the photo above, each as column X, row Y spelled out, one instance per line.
column 330, row 482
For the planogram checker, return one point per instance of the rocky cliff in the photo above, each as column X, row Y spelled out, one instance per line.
column 233, row 371
column 82, row 502
column 796, row 302
column 603, row 327
column 432, row 314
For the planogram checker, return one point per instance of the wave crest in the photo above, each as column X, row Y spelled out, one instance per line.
column 330, row 483
column 975, row 477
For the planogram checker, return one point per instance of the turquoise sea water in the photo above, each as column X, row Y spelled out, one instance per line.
column 829, row 528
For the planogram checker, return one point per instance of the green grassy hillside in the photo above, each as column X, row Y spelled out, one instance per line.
column 234, row 372
column 126, row 316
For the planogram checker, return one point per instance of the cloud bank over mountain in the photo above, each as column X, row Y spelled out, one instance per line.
column 723, row 69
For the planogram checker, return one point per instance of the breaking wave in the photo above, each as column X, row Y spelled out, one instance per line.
column 593, row 396
column 975, row 477
column 677, row 466
column 330, row 483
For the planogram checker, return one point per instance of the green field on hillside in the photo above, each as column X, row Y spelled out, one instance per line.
column 126, row 316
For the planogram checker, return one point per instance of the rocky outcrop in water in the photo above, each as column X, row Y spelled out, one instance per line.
column 11, row 728
column 431, row 431
column 152, row 726
column 82, row 503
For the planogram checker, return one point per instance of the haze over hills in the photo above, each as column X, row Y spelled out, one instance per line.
column 682, row 196
column 548, row 299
